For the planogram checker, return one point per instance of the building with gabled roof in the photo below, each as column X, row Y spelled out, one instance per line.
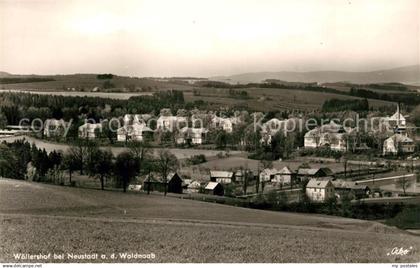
column 132, row 132
column 214, row 188
column 398, row 143
column 225, row 177
column 320, row 190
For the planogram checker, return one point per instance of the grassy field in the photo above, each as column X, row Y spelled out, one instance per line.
column 110, row 95
column 266, row 99
column 37, row 218
column 178, row 152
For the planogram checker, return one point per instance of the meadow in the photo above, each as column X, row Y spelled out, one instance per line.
column 38, row 218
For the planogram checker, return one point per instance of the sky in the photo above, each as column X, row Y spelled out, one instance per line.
column 206, row 37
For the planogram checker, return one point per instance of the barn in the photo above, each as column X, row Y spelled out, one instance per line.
column 214, row 188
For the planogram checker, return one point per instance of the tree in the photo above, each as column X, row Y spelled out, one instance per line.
column 3, row 120
column 166, row 163
column 102, row 165
column 141, row 153
column 79, row 152
column 404, row 182
column 221, row 139
column 126, row 168
column 71, row 164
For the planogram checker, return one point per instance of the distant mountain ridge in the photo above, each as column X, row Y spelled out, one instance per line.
column 406, row 75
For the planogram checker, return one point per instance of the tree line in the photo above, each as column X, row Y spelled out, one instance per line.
column 22, row 160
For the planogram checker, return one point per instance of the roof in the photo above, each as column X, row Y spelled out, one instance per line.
column 347, row 185
column 313, row 171
column 194, row 184
column 332, row 127
column 314, row 183
column 400, row 138
column 154, row 177
column 211, row 185
column 221, row 174
column 307, row 171
column 90, row 126
column 269, row 171
column 397, row 116
column 312, row 133
column 285, row 170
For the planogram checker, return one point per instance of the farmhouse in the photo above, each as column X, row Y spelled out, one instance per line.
column 54, row 127
column 268, row 174
column 285, row 176
column 398, row 143
column 320, row 190
column 214, row 188
column 133, row 132
column 173, row 183
column 225, row 177
column 193, row 187
column 314, row 172
column 89, row 130
column 350, row 189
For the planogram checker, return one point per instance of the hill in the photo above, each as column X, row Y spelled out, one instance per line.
column 39, row 218
column 86, row 82
column 406, row 75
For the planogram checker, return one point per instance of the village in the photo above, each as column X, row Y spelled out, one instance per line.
column 322, row 178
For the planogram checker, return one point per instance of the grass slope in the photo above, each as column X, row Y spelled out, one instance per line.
column 37, row 218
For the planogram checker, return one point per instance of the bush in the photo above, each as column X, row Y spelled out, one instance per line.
column 196, row 159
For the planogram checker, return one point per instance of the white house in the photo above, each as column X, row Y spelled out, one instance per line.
column 194, row 187
column 225, row 177
column 320, row 190
column 195, row 135
column 398, row 143
column 132, row 132
column 273, row 126
column 284, row 176
column 89, row 130
column 330, row 135
column 131, row 119
column 171, row 123
column 54, row 127
column 226, row 124
column 268, row 174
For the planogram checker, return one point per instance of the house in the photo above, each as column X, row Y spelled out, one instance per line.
column 193, row 187
column 350, row 189
column 214, row 188
column 330, row 135
column 131, row 119
column 171, row 123
column 240, row 174
column 133, row 132
column 398, row 143
column 173, row 183
column 268, row 174
column 273, row 126
column 225, row 177
column 397, row 121
column 314, row 172
column 54, row 128
column 226, row 124
column 285, row 176
column 89, row 130
column 191, row 135
column 320, row 190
